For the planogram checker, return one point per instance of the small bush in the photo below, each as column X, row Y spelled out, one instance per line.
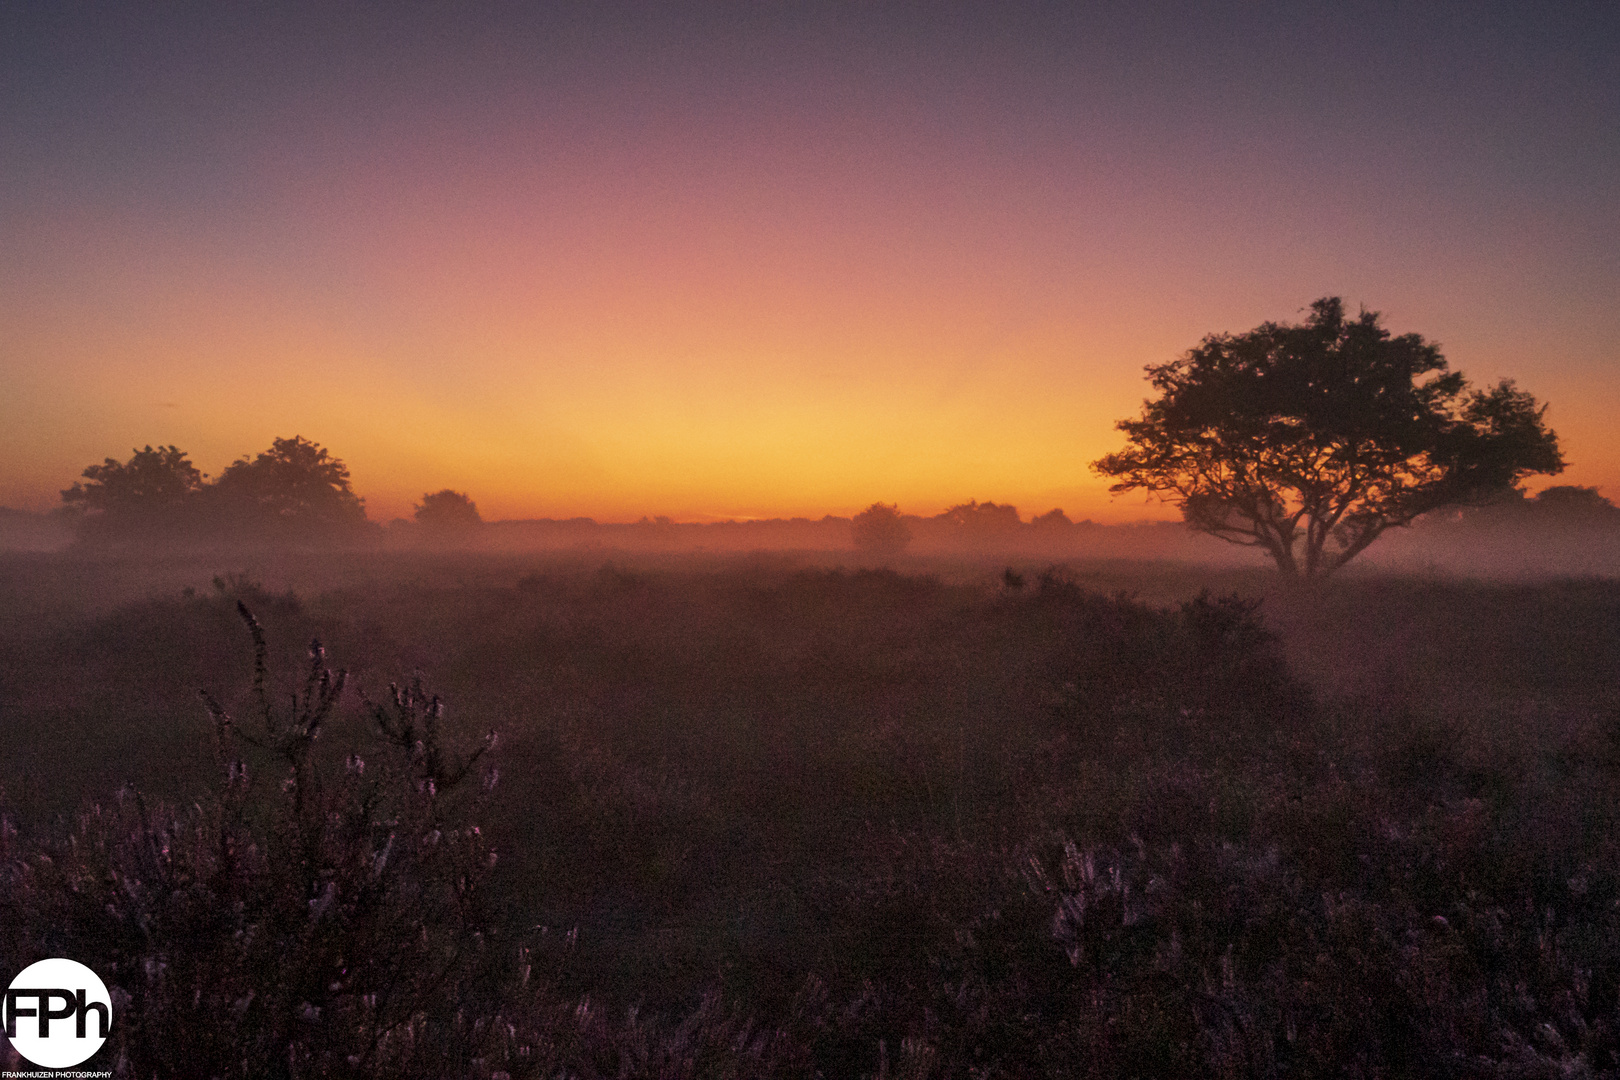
column 313, row 917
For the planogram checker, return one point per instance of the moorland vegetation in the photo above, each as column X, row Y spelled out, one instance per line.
column 680, row 815
column 760, row 819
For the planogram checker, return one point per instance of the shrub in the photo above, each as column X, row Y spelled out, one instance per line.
column 310, row 917
column 1202, row 680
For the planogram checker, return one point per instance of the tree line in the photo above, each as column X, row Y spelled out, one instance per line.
column 294, row 492
column 1307, row 441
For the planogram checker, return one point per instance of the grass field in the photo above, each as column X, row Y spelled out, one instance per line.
column 770, row 816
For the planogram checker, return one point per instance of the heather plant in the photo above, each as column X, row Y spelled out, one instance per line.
column 310, row 917
column 769, row 821
column 1206, row 679
column 1258, row 958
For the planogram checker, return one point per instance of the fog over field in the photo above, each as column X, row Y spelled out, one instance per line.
column 792, row 813
column 817, row 540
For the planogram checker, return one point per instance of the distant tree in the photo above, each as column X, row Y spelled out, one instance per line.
column 1052, row 519
column 153, row 491
column 878, row 530
column 1573, row 502
column 295, row 488
column 974, row 518
column 1547, row 514
column 982, row 517
column 448, row 511
column 1291, row 435
column 151, row 481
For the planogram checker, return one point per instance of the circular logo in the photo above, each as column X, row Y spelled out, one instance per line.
column 57, row 1013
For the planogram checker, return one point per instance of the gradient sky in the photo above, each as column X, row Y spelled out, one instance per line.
column 770, row 259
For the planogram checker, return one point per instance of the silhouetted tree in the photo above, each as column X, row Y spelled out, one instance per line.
column 1052, row 519
column 152, row 492
column 1573, row 502
column 448, row 511
column 294, row 489
column 878, row 530
column 1289, row 435
column 975, row 520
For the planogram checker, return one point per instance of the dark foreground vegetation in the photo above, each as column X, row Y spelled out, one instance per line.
column 752, row 819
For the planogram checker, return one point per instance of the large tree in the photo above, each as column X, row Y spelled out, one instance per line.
column 152, row 493
column 1292, row 435
column 295, row 488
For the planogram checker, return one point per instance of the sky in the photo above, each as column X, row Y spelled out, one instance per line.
column 770, row 259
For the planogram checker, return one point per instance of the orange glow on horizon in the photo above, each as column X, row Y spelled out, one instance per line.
column 733, row 310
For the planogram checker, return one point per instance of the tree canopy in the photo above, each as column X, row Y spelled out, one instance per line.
column 1572, row 502
column 448, row 511
column 295, row 483
column 1294, row 434
column 1052, row 519
column 295, row 491
column 981, row 520
column 879, row 530
column 144, row 499
column 151, row 482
